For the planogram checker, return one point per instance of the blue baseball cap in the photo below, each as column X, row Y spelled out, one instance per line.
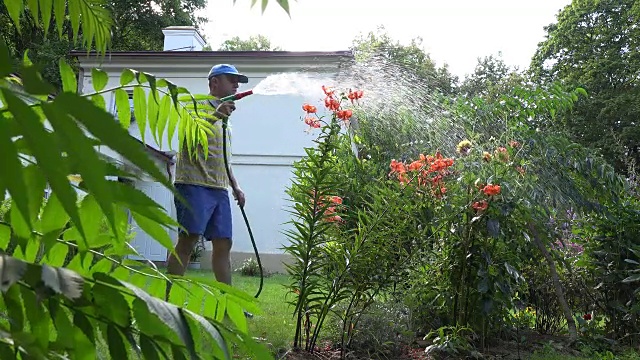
column 229, row 70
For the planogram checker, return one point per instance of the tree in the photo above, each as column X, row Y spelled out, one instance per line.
column 136, row 25
column 491, row 78
column 253, row 43
column 595, row 44
column 411, row 57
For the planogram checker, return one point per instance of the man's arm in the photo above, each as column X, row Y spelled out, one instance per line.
column 238, row 194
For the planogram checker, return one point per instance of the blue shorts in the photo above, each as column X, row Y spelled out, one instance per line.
column 207, row 211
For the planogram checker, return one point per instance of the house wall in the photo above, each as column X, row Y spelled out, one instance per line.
column 268, row 135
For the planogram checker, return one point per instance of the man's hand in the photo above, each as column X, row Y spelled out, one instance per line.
column 239, row 196
column 226, row 108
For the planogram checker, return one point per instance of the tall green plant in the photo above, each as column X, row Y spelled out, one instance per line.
column 66, row 278
column 314, row 217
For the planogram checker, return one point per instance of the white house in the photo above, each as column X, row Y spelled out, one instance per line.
column 268, row 134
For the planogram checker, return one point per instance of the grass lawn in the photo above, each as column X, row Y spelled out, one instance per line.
column 275, row 324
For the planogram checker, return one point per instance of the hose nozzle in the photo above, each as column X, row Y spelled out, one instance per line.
column 237, row 96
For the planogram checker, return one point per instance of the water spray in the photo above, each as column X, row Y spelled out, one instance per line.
column 235, row 97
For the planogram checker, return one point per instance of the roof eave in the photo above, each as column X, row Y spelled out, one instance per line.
column 186, row 60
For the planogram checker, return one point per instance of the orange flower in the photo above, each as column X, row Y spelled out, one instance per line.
column 344, row 114
column 355, row 95
column 312, row 122
column 486, row 156
column 335, row 218
column 514, row 144
column 336, row 200
column 310, row 109
column 327, row 91
column 397, row 167
column 491, row 190
column 480, row 205
column 416, row 165
column 332, row 104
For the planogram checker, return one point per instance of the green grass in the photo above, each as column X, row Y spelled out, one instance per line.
column 274, row 325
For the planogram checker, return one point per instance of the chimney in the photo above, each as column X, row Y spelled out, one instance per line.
column 182, row 38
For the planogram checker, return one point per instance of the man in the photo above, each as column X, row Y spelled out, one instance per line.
column 204, row 184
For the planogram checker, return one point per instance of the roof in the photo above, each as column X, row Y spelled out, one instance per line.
column 214, row 54
column 200, row 61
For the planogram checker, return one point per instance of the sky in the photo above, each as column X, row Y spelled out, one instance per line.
column 455, row 32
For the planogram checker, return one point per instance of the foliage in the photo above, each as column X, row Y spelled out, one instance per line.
column 346, row 248
column 66, row 277
column 249, row 267
column 595, row 45
column 132, row 25
column 253, row 43
column 411, row 57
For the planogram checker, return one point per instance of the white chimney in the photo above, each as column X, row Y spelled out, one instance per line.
column 182, row 38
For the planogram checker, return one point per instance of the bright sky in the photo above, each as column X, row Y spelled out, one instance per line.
column 453, row 31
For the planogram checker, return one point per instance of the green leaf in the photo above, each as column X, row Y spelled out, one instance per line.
column 59, row 14
column 57, row 254
column 5, row 59
column 11, row 171
column 45, row 10
column 91, row 167
column 170, row 314
column 284, row 4
column 53, row 216
column 236, row 314
column 140, row 110
column 99, row 79
column 632, row 278
column 111, row 304
column 152, row 112
column 47, row 154
column 15, row 8
column 148, row 348
column 140, row 202
column 18, row 222
column 33, row 8
column 13, row 304
column 33, row 83
column 117, row 348
column 75, row 13
column 173, row 122
column 69, row 82
column 155, row 230
column 38, row 321
column 127, row 76
column 36, row 185
column 83, row 337
column 222, row 351
column 163, row 115
column 123, row 107
column 98, row 100
column 5, row 236
column 91, row 217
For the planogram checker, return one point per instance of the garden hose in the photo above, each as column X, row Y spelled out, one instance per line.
column 244, row 215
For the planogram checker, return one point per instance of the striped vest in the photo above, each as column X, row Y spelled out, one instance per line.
column 209, row 172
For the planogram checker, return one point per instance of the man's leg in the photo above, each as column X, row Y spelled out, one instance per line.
column 193, row 216
column 183, row 249
column 221, row 260
column 220, row 231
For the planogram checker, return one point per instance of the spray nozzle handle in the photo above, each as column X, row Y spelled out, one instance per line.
column 237, row 96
